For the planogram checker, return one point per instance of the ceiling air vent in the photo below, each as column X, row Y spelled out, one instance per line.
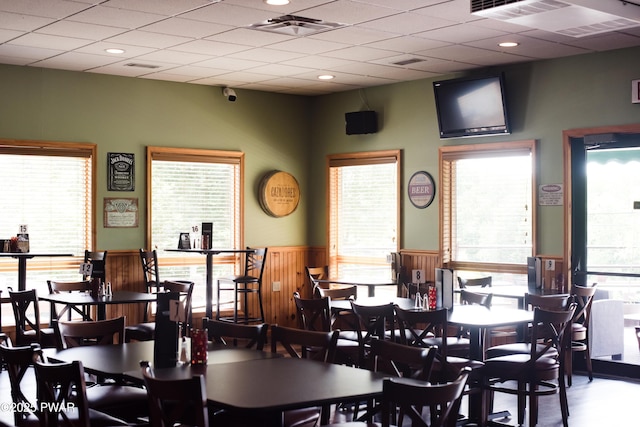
column 293, row 25
column 138, row 65
column 575, row 18
column 408, row 61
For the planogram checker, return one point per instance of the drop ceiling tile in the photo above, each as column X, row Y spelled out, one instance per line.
column 197, row 72
column 115, row 17
column 147, row 39
column 99, row 48
column 27, row 52
column 267, row 55
column 249, row 37
column 308, row 46
column 76, row 61
column 80, row 30
column 359, row 53
column 279, row 70
column 347, row 12
column 14, row 21
column 162, row 7
column 173, row 57
column 229, row 14
column 292, row 8
column 453, row 52
column 316, row 62
column 208, row 47
column 186, row 28
column 407, row 23
column 55, row 9
column 6, row 35
column 230, row 64
column 407, row 44
column 404, row 5
column 528, row 47
column 49, row 42
column 355, row 35
column 461, row 33
column 455, row 10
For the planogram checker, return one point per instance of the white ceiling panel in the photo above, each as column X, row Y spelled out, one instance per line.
column 209, row 42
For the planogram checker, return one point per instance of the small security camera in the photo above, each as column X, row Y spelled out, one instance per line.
column 230, row 94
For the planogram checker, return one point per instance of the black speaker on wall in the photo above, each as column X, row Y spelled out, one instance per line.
column 360, row 122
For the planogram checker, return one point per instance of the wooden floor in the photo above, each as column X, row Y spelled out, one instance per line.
column 605, row 401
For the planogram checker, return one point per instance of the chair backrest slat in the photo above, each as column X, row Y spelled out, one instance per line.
column 234, row 334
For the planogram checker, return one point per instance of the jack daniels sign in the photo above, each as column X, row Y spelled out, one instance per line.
column 121, row 172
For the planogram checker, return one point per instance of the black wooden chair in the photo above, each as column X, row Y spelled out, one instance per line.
column 26, row 311
column 98, row 261
column 175, row 401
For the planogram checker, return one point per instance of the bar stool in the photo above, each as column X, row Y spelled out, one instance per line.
column 249, row 282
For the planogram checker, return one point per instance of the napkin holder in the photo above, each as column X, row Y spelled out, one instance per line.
column 165, row 348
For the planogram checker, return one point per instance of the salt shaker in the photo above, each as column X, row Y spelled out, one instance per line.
column 418, row 303
column 108, row 291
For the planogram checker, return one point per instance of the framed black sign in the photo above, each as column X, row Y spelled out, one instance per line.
column 121, row 172
column 421, row 189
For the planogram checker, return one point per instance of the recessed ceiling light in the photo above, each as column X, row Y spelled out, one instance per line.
column 325, row 77
column 114, row 50
column 508, row 44
column 277, row 2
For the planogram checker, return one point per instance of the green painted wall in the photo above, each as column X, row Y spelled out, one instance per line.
column 544, row 97
column 295, row 134
column 123, row 114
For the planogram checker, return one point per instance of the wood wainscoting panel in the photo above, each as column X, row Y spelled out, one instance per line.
column 124, row 271
column 421, row 260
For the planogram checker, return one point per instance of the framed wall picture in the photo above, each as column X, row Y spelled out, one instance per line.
column 120, row 212
column 421, row 189
column 121, row 172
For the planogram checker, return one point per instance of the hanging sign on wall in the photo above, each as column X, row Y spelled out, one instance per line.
column 279, row 193
column 421, row 189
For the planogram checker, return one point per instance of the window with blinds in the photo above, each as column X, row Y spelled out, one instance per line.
column 363, row 214
column 188, row 187
column 49, row 187
column 488, row 206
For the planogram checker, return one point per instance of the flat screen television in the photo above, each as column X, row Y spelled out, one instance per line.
column 471, row 106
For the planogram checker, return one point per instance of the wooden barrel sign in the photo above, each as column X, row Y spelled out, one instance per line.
column 279, row 193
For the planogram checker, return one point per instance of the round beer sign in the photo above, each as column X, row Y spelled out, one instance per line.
column 279, row 193
column 421, row 189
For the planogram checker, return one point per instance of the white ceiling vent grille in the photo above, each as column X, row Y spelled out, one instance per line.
column 293, row 25
column 575, row 18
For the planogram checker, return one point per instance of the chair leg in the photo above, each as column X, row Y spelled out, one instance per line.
column 235, row 303
column 564, row 403
column 587, row 355
column 522, row 401
column 260, row 302
column 218, row 300
column 568, row 363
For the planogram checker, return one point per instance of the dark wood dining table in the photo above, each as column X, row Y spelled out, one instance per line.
column 240, row 379
column 209, row 253
column 100, row 302
column 118, row 361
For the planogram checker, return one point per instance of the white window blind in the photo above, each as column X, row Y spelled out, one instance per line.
column 47, row 186
column 488, row 211
column 363, row 220
column 189, row 187
column 493, row 210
